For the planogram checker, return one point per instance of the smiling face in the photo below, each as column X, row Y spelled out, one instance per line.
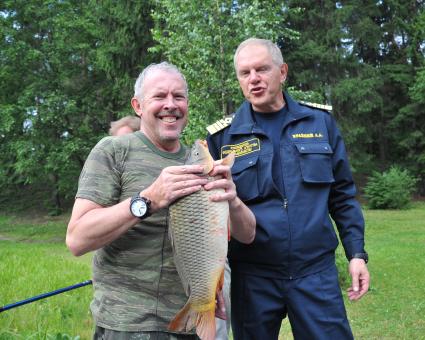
column 260, row 78
column 163, row 108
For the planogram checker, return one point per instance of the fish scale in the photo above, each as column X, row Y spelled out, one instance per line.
column 192, row 232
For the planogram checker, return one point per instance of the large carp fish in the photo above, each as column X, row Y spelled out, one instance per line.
column 199, row 231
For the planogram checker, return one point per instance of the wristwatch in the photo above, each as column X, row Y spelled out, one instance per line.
column 140, row 207
column 364, row 256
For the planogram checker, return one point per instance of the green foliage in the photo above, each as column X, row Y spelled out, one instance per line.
column 391, row 189
column 365, row 59
column 69, row 69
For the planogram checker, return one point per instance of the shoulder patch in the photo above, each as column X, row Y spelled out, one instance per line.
column 220, row 124
column 317, row 106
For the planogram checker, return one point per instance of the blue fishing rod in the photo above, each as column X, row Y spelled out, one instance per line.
column 45, row 295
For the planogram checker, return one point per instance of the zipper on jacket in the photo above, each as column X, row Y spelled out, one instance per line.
column 285, row 206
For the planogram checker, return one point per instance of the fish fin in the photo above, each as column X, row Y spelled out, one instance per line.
column 228, row 229
column 220, row 282
column 220, row 309
column 229, row 159
column 209, row 165
column 184, row 319
column 205, row 325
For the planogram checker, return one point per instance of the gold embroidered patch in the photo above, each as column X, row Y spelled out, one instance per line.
column 241, row 149
column 307, row 135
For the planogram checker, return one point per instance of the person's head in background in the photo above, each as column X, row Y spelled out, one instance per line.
column 128, row 124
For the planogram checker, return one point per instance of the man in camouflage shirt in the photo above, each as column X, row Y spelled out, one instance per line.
column 137, row 290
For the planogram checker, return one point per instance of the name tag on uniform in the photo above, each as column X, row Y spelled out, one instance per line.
column 241, row 149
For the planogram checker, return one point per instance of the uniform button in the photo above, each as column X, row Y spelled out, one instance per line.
column 302, row 148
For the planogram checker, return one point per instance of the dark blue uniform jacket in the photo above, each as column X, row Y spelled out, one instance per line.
column 295, row 236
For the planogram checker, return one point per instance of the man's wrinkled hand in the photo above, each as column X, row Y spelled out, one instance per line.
column 220, row 307
column 175, row 182
column 360, row 279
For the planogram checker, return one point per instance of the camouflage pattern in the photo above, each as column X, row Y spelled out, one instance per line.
column 108, row 334
column 136, row 285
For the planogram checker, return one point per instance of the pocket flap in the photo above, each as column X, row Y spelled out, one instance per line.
column 314, row 148
column 244, row 163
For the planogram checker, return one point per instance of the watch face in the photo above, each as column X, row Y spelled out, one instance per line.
column 138, row 208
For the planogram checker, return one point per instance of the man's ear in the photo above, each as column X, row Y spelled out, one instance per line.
column 283, row 72
column 137, row 106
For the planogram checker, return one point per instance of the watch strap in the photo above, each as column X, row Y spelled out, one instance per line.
column 364, row 256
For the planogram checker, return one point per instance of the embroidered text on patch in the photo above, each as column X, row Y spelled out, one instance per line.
column 241, row 149
column 307, row 135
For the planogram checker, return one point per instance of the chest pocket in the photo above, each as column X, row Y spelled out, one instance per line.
column 316, row 162
column 244, row 173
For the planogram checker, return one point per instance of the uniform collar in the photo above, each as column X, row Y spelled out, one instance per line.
column 243, row 122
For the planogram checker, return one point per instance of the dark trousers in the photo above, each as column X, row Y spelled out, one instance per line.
column 314, row 306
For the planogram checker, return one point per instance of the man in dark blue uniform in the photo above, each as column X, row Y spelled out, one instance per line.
column 292, row 171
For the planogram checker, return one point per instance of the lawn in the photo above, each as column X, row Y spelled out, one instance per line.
column 34, row 260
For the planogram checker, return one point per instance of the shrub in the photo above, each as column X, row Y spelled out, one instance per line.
column 391, row 189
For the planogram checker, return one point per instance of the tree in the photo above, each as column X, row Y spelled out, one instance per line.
column 362, row 57
column 66, row 76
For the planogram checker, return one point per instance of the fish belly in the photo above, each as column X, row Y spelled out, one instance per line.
column 198, row 229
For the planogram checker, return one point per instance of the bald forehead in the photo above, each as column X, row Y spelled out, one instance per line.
column 257, row 46
column 252, row 55
column 252, row 48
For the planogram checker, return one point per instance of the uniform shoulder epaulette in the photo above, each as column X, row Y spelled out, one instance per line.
column 317, row 106
column 220, row 124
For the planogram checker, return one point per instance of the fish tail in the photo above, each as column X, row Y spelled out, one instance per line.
column 205, row 325
column 184, row 319
column 187, row 318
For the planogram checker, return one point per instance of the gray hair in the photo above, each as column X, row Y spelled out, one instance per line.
column 271, row 47
column 163, row 66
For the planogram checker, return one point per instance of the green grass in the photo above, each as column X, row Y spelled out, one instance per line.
column 394, row 308
column 34, row 229
column 33, row 264
column 34, row 260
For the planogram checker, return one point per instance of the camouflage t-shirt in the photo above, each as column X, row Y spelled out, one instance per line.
column 136, row 285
